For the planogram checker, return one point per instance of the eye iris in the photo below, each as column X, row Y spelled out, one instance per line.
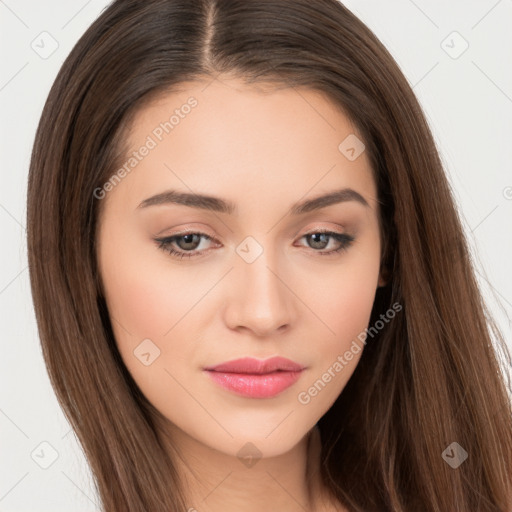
column 323, row 243
column 189, row 239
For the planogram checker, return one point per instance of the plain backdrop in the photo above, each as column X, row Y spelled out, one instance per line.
column 456, row 55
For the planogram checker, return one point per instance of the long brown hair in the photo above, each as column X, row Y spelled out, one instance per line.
column 431, row 377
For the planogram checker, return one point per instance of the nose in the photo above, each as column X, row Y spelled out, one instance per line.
column 260, row 299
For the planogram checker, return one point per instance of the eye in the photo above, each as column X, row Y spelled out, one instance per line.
column 320, row 239
column 186, row 245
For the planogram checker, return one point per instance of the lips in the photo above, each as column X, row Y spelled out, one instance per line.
column 254, row 378
column 257, row 366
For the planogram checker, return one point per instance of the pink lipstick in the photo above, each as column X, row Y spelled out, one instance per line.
column 254, row 378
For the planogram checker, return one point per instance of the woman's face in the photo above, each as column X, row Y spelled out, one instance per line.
column 262, row 280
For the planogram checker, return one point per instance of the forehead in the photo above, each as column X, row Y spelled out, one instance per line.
column 251, row 112
column 237, row 138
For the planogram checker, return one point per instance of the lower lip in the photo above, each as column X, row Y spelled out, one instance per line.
column 254, row 385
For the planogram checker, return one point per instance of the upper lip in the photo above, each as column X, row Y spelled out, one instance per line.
column 256, row 366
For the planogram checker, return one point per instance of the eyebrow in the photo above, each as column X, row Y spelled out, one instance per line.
column 216, row 204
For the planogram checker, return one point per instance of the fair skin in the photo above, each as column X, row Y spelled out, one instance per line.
column 264, row 152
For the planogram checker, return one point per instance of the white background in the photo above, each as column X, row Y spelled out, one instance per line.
column 468, row 101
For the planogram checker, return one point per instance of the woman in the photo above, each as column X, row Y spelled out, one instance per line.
column 322, row 344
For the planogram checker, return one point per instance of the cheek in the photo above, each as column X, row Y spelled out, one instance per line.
column 342, row 294
column 146, row 297
column 336, row 358
column 150, row 309
column 343, row 301
column 349, row 309
column 145, row 303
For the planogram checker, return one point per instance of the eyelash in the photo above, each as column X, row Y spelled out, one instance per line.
column 165, row 243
